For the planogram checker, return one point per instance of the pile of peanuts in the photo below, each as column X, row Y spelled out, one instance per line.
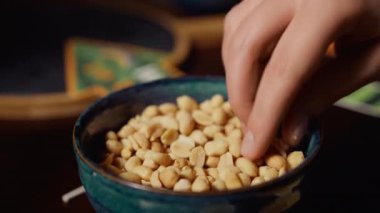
column 191, row 147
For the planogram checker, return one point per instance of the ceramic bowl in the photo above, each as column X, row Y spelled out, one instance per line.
column 107, row 193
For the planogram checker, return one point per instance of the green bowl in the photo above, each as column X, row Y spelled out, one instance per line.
column 107, row 193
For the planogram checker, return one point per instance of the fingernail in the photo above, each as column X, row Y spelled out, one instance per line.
column 299, row 129
column 247, row 144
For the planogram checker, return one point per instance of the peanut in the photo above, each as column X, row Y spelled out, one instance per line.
column 218, row 185
column 167, row 108
column 200, row 184
column 212, row 161
column 257, row 180
column 197, row 157
column 168, row 177
column 187, row 103
column 169, row 136
column 199, row 137
column 154, row 180
column 150, row 111
column 216, row 148
column 202, row 118
column 142, row 171
column 130, row 176
column 219, row 116
column 114, row 146
column 247, row 167
column 232, row 180
column 295, row 159
column 275, row 161
column 185, row 121
column 217, row 100
column 268, row 173
column 183, row 185
column 211, row 130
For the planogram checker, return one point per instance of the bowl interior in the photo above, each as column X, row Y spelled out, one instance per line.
column 113, row 111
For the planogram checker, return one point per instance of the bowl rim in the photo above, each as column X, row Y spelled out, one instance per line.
column 158, row 191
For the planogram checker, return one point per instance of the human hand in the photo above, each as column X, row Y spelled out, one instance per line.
column 273, row 53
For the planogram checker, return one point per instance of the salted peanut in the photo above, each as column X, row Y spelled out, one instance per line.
column 213, row 172
column 186, row 140
column 168, row 177
column 275, row 161
column 157, row 147
column 202, row 118
column 185, row 122
column 126, row 153
column 159, row 158
column 219, row 136
column 156, row 134
column 227, row 109
column 234, row 146
column 169, row 136
column 169, row 122
column 167, row 108
column 295, row 159
column 160, row 168
column 257, row 180
column 143, row 171
column 211, row 130
column 225, row 160
column 113, row 169
column 217, row 100
column 183, row 185
column 119, row 162
column 145, row 183
column 197, row 157
column 232, row 181
column 200, row 184
column 141, row 153
column 126, row 131
column 126, row 143
column 132, row 162
column 244, row 179
column 219, row 116
column 111, row 135
column 206, row 106
column 235, row 134
column 218, row 185
column 150, row 111
column 108, row 159
column 210, row 178
column 133, row 142
column 235, row 121
column 180, row 163
column 224, row 170
column 130, row 176
column 246, row 166
column 114, row 146
column 148, row 128
column 155, row 180
column 199, row 171
column 212, row 161
column 141, row 140
column 281, row 171
column 268, row 173
column 180, row 149
column 198, row 136
column 228, row 128
column 188, row 173
column 216, row 148
column 150, row 164
column 186, row 102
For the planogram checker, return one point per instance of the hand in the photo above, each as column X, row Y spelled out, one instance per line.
column 276, row 73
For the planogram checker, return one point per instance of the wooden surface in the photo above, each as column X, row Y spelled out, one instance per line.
column 37, row 166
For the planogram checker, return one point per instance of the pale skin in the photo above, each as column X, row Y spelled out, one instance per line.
column 273, row 53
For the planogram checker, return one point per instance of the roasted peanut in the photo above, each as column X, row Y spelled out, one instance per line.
column 257, row 180
column 295, row 159
column 126, row 131
column 275, row 161
column 150, row 111
column 187, row 103
column 197, row 157
column 131, row 163
column 114, row 146
column 247, row 166
column 167, row 108
column 142, row 171
column 202, row 118
column 183, row 185
column 199, row 137
column 168, row 177
column 111, row 135
column 218, row 185
column 216, row 148
column 185, row 122
column 130, row 176
column 211, row 130
column 268, row 173
column 154, row 180
column 244, row 179
column 232, row 180
column 219, row 116
column 200, row 184
column 217, row 100
column 212, row 161
column 169, row 136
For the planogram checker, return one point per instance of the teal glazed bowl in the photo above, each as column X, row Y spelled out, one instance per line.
column 108, row 193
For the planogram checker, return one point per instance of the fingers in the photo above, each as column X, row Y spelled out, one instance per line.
column 353, row 71
column 300, row 48
column 242, row 51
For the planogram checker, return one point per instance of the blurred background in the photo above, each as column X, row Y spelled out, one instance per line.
column 59, row 56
